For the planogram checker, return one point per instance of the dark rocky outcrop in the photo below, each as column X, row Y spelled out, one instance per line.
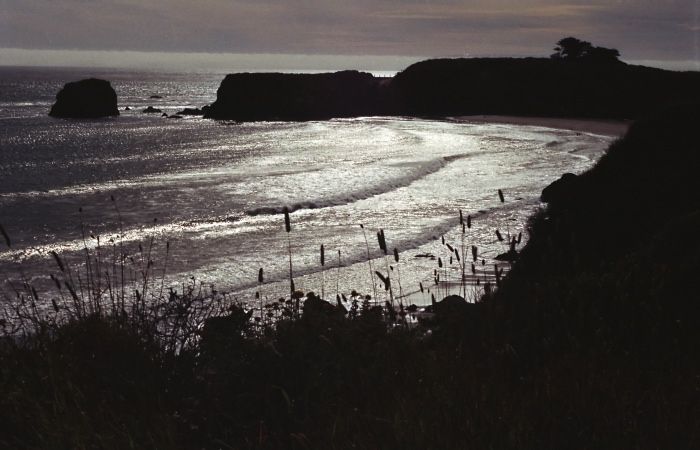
column 509, row 256
column 86, row 99
column 451, row 304
column 539, row 87
column 298, row 97
column 559, row 188
column 191, row 112
column 451, row 313
column 151, row 110
column 454, row 87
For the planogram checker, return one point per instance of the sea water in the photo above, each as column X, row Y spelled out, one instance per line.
column 204, row 199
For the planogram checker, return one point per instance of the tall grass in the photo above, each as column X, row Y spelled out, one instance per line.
column 202, row 355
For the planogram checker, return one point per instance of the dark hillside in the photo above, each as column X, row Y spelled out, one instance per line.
column 643, row 182
column 604, row 299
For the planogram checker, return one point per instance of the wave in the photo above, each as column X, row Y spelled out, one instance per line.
column 409, row 247
column 353, row 257
column 420, row 172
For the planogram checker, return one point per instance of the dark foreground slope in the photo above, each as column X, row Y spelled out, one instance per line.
column 451, row 87
column 602, row 312
column 640, row 200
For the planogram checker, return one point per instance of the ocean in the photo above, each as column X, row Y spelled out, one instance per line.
column 204, row 200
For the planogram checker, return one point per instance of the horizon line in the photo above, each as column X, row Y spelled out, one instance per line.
column 134, row 59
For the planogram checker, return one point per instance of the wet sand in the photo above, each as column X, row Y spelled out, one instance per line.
column 604, row 127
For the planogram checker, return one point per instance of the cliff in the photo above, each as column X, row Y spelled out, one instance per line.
column 540, row 87
column 275, row 96
column 453, row 87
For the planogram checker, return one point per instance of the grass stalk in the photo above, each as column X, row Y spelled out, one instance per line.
column 369, row 262
column 383, row 247
column 288, row 229
column 323, row 274
column 337, row 279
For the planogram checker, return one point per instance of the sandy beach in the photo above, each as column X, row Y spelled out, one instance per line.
column 604, row 127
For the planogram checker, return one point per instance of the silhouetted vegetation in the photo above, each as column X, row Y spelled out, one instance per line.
column 591, row 341
column 572, row 48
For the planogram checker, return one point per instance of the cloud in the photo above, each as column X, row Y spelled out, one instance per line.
column 639, row 28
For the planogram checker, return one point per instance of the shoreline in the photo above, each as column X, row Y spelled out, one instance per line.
column 607, row 127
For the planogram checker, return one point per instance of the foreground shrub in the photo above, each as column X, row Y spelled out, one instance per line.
column 93, row 385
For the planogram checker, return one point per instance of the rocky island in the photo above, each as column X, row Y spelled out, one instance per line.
column 86, row 99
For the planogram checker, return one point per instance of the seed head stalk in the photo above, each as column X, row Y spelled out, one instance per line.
column 323, row 273
column 288, row 228
column 369, row 261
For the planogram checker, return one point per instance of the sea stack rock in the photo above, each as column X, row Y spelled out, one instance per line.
column 86, row 99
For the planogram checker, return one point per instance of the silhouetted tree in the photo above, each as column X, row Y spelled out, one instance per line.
column 572, row 48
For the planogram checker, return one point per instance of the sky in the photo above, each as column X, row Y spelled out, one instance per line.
column 385, row 34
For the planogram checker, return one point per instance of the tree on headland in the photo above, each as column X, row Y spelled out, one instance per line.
column 571, row 48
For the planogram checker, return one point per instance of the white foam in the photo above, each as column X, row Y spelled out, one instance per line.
column 417, row 172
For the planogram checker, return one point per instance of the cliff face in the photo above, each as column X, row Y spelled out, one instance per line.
column 540, row 87
column 452, row 87
column 86, row 99
column 275, row 96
